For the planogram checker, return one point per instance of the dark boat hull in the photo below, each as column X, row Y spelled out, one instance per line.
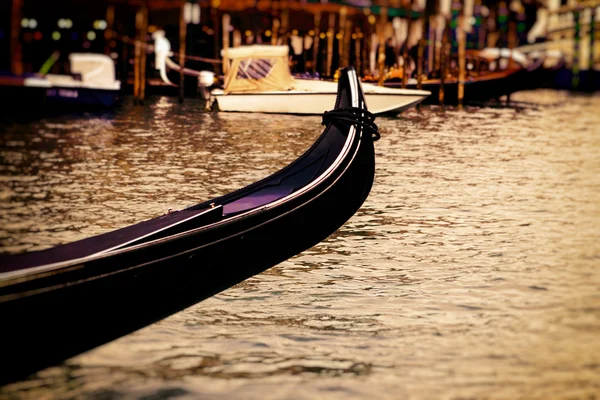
column 584, row 81
column 19, row 100
column 81, row 97
column 107, row 297
column 479, row 89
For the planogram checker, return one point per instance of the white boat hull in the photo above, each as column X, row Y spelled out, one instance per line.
column 308, row 103
column 316, row 97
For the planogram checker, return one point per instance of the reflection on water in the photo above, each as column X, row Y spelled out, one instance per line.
column 470, row 272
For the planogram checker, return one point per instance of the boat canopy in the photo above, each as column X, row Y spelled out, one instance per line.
column 98, row 69
column 257, row 68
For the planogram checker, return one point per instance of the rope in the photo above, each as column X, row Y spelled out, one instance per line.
column 353, row 116
column 128, row 40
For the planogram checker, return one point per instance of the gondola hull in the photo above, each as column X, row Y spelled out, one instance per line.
column 62, row 313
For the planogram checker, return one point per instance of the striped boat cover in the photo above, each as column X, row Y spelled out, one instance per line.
column 255, row 68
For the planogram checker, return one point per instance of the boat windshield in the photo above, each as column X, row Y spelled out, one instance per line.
column 255, row 68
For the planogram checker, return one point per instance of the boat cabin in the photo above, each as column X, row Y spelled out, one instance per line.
column 257, row 68
column 89, row 70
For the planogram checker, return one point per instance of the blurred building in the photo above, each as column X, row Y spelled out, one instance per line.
column 322, row 34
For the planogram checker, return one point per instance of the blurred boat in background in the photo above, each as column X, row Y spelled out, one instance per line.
column 92, row 82
column 490, row 74
column 22, row 95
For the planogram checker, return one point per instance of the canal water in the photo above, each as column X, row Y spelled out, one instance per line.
column 471, row 271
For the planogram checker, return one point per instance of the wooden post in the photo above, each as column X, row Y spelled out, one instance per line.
column 182, row 43
column 275, row 31
column 346, row 43
column 491, row 34
column 226, row 21
column 285, row 23
column 368, row 45
column 285, row 19
column 576, row 49
column 383, row 17
column 405, row 49
column 448, row 52
column 139, row 20
column 124, row 64
column 462, row 44
column 16, row 51
column 420, row 54
column 482, row 35
column 316, row 41
column 438, row 45
column 512, row 41
column 330, row 30
column 357, row 52
column 305, row 52
column 480, row 26
column 444, row 62
column 143, row 52
column 216, row 20
column 341, row 36
column 592, row 37
column 108, row 32
column 431, row 59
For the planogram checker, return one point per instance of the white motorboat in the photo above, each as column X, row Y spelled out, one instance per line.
column 259, row 80
column 92, row 82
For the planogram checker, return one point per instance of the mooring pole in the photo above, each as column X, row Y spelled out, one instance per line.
column 316, row 41
column 330, row 34
column 461, row 38
column 431, row 43
column 182, row 40
column 383, row 19
column 285, row 21
column 592, row 37
column 143, row 51
column 347, row 44
column 226, row 23
column 367, row 45
column 275, row 31
column 136, row 56
column 357, row 52
column 443, row 62
column 576, row 45
column 16, row 51
column 216, row 20
column 124, row 64
column 341, row 36
column 512, row 43
column 405, row 47
column 420, row 55
column 108, row 32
